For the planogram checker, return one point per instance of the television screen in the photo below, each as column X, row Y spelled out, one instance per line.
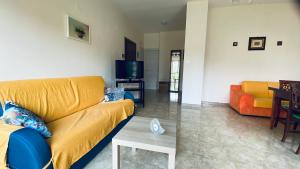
column 129, row 69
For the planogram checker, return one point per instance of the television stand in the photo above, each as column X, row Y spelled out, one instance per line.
column 140, row 89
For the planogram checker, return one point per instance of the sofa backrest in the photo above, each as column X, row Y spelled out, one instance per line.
column 52, row 99
column 258, row 88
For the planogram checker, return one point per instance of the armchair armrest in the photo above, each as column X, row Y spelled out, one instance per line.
column 235, row 88
column 241, row 101
column 235, row 94
column 28, row 149
column 246, row 103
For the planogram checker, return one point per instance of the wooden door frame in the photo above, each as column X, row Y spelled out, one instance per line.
column 130, row 58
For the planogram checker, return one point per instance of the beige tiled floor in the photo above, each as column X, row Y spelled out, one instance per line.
column 211, row 137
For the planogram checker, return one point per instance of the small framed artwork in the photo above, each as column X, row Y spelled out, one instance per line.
column 77, row 30
column 257, row 43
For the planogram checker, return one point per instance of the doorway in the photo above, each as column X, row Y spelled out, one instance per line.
column 130, row 50
column 151, row 72
column 176, row 71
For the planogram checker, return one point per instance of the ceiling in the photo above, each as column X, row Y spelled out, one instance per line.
column 167, row 15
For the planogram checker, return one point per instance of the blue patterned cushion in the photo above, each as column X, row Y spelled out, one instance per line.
column 25, row 118
column 114, row 94
column 1, row 109
column 129, row 95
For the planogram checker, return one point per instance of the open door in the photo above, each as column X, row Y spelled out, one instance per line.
column 176, row 71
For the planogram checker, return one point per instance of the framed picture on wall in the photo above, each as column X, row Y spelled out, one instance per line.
column 257, row 43
column 77, row 30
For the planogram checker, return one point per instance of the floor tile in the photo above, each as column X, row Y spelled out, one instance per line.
column 210, row 137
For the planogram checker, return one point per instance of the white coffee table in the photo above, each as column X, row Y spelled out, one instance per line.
column 137, row 134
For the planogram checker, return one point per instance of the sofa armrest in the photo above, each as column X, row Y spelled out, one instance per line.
column 28, row 149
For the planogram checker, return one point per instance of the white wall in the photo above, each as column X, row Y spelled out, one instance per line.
column 151, row 60
column 159, row 45
column 195, row 41
column 33, row 42
column 151, row 41
column 225, row 64
column 172, row 40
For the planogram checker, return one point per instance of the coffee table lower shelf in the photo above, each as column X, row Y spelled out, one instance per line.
column 116, row 154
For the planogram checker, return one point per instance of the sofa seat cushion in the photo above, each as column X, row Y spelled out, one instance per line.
column 263, row 102
column 75, row 135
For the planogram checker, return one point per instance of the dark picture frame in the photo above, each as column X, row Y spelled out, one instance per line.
column 257, row 43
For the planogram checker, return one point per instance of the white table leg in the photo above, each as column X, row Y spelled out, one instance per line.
column 115, row 156
column 171, row 161
column 133, row 150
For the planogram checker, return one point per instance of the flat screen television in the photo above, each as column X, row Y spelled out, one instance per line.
column 129, row 69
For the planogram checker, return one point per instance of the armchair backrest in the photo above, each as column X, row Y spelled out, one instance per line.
column 286, row 84
column 295, row 97
column 258, row 88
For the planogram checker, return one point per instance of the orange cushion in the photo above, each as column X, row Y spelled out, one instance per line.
column 267, row 103
column 263, row 102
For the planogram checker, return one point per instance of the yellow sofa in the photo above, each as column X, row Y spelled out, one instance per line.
column 75, row 114
column 252, row 98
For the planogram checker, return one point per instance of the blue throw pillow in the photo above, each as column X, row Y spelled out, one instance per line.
column 25, row 118
column 1, row 109
column 129, row 95
column 114, row 94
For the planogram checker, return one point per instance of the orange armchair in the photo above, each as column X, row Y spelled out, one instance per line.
column 252, row 98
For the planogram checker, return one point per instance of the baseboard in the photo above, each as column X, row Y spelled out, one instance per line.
column 205, row 104
column 185, row 105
